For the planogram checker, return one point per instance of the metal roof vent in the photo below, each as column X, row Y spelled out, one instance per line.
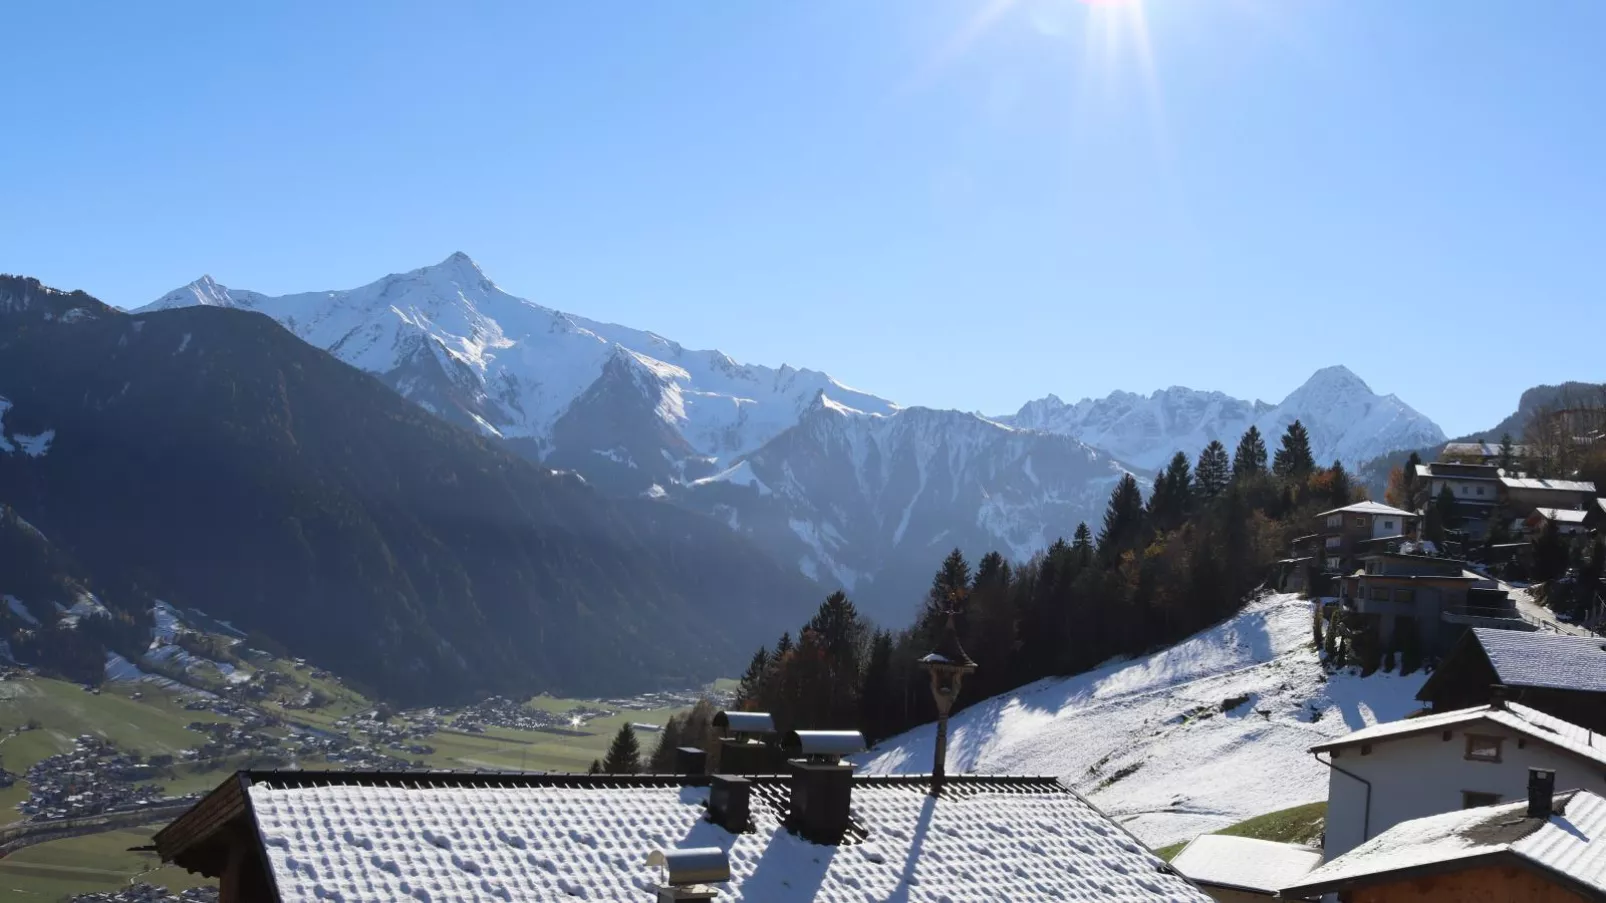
column 686, row 874
column 745, row 744
column 822, row 785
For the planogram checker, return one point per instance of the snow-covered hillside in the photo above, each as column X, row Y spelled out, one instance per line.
column 453, row 341
column 1346, row 419
column 1193, row 738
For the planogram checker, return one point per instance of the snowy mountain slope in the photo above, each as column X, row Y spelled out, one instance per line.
column 870, row 502
column 1148, row 741
column 450, row 339
column 1346, row 419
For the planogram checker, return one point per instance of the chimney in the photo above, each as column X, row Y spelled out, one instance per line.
column 822, row 784
column 1541, row 792
column 742, row 747
column 690, row 761
column 686, row 874
column 728, row 802
column 1497, row 696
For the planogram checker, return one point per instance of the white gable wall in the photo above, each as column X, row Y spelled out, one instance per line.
column 1423, row 774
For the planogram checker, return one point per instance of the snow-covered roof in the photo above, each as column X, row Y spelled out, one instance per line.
column 1525, row 720
column 1562, row 515
column 532, row 837
column 1568, row 846
column 1244, row 863
column 1533, row 659
column 1368, row 508
column 1556, row 485
column 1484, row 449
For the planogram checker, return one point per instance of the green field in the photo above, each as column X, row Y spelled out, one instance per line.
column 1299, row 824
column 96, row 862
column 155, row 724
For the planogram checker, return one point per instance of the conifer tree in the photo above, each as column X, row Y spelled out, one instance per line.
column 624, row 753
column 1250, row 458
column 949, row 587
column 1507, row 452
column 1339, row 487
column 1213, row 471
column 1449, row 516
column 878, row 694
column 1123, row 519
column 1172, row 499
column 663, row 753
column 1293, row 460
column 596, row 767
column 751, row 688
column 992, row 570
column 1082, row 545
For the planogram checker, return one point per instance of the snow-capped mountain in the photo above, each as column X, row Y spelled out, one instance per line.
column 570, row 391
column 1346, row 419
column 871, row 502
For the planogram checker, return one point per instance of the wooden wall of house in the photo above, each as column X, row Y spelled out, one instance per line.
column 1233, row 895
column 1485, row 885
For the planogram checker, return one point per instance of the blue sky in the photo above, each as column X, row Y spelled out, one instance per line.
column 957, row 203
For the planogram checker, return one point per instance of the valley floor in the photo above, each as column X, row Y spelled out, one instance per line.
column 1191, row 739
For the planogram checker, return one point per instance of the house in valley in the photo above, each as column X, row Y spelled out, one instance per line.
column 1561, row 675
column 1244, row 869
column 1390, row 773
column 822, row 833
column 1546, row 847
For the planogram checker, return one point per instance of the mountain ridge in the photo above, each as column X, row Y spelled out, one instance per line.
column 288, row 492
column 1346, row 419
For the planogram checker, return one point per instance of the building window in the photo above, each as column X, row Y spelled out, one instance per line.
column 1332, row 564
column 1360, row 522
column 1405, row 595
column 1473, row 799
column 1332, row 542
column 1483, row 749
column 1336, row 520
column 1388, row 525
column 1480, row 490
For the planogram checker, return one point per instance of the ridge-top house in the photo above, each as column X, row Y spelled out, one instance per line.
column 1389, row 773
column 1343, row 534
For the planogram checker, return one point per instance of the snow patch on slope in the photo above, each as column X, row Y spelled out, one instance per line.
column 34, row 446
column 1147, row 740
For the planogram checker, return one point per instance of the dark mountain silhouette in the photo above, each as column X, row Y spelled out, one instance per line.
column 207, row 456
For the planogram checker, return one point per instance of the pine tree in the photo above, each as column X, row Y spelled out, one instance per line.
column 992, row 570
column 1250, row 458
column 1082, row 545
column 624, row 753
column 1213, row 471
column 1172, row 499
column 1123, row 519
column 949, row 587
column 751, row 688
column 596, row 767
column 669, row 740
column 1339, row 487
column 878, row 694
column 1449, row 516
column 1550, row 553
column 1507, row 452
column 1293, row 460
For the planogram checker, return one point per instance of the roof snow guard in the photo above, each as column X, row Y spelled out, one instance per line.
column 455, row 836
